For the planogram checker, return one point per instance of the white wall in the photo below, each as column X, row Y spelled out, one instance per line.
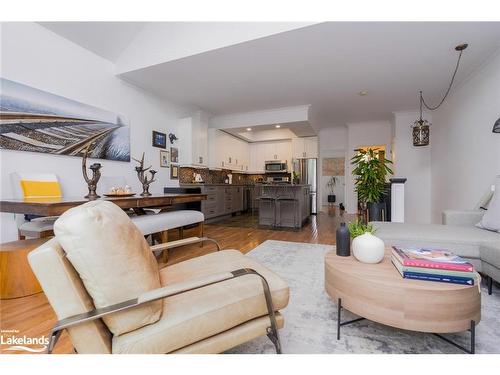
column 332, row 143
column 32, row 55
column 364, row 134
column 465, row 152
column 414, row 163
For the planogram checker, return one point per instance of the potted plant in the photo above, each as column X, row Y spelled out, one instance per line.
column 331, row 187
column 295, row 177
column 366, row 247
column 370, row 174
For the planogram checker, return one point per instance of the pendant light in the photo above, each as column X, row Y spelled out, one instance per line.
column 496, row 126
column 421, row 127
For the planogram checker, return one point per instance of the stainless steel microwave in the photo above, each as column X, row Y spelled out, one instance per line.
column 275, row 166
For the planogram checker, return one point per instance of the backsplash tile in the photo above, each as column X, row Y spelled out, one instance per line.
column 186, row 176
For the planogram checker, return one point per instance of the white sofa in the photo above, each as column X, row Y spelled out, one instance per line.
column 458, row 233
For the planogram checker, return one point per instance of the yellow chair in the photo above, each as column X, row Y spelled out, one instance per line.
column 35, row 185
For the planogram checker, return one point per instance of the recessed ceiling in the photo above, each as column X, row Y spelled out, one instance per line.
column 106, row 39
column 326, row 65
column 271, row 133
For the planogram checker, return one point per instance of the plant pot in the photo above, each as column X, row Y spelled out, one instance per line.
column 376, row 211
column 368, row 248
column 331, row 198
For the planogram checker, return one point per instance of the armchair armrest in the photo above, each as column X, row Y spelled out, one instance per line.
column 183, row 242
column 164, row 292
column 463, row 218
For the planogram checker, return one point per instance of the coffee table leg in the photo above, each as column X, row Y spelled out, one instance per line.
column 339, row 323
column 472, row 330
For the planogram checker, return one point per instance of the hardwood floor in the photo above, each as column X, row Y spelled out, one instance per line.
column 32, row 316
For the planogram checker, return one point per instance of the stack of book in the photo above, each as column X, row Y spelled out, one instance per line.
column 432, row 265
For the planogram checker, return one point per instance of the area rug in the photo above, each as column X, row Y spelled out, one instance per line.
column 311, row 316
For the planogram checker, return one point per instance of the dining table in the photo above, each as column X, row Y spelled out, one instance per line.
column 55, row 206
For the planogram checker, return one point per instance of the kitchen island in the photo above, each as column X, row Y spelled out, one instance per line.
column 283, row 205
column 278, row 205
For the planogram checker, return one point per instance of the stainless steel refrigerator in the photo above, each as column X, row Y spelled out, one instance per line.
column 308, row 174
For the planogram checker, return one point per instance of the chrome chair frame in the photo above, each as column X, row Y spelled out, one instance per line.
column 160, row 293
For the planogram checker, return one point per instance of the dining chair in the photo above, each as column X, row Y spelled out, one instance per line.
column 27, row 185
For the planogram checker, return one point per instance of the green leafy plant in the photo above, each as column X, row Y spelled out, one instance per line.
column 331, row 184
column 357, row 228
column 370, row 174
column 295, row 175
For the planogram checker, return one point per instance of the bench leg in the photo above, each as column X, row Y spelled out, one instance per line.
column 200, row 227
column 164, row 239
column 490, row 285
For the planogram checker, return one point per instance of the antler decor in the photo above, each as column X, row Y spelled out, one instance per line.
column 96, row 175
column 143, row 178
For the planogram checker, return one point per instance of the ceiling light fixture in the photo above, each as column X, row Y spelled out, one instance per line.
column 496, row 126
column 249, row 129
column 277, row 126
column 363, row 93
column 421, row 127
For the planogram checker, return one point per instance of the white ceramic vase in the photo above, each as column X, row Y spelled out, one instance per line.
column 368, row 248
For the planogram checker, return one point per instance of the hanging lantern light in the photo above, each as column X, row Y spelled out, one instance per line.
column 421, row 127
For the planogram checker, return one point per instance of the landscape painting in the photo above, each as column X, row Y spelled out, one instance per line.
column 38, row 121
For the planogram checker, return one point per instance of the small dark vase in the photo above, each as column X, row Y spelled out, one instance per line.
column 376, row 211
column 343, row 241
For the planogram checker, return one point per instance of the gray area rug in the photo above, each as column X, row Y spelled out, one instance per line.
column 311, row 316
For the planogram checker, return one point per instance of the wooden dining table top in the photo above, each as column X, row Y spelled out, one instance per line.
column 54, row 206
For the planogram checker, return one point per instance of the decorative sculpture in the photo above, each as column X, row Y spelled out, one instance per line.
column 96, row 175
column 172, row 138
column 143, row 178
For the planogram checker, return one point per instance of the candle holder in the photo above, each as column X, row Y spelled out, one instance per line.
column 96, row 175
column 143, row 178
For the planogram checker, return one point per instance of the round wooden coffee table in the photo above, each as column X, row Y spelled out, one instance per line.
column 378, row 292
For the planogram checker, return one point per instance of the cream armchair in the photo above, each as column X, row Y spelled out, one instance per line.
column 208, row 304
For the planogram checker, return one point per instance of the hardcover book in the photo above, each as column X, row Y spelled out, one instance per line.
column 431, row 271
column 431, row 258
column 440, row 278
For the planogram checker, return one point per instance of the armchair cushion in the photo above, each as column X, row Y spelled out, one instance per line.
column 113, row 260
column 199, row 314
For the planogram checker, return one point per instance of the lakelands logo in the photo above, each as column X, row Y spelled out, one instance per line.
column 16, row 342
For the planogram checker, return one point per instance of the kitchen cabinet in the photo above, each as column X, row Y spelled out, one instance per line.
column 221, row 199
column 306, row 147
column 193, row 136
column 227, row 152
column 260, row 152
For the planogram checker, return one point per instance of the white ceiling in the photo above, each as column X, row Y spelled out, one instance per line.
column 271, row 133
column 323, row 65
column 106, row 39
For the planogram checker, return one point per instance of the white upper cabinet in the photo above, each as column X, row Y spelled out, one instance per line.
column 193, row 136
column 227, row 152
column 260, row 152
column 306, row 147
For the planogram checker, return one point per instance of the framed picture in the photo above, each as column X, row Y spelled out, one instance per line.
column 164, row 159
column 39, row 121
column 159, row 139
column 174, row 155
column 174, row 172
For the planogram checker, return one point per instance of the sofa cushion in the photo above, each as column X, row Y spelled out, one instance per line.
column 490, row 253
column 155, row 223
column 193, row 316
column 463, row 241
column 113, row 260
column 491, row 218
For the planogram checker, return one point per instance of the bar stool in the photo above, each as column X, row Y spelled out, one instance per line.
column 287, row 194
column 266, row 197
